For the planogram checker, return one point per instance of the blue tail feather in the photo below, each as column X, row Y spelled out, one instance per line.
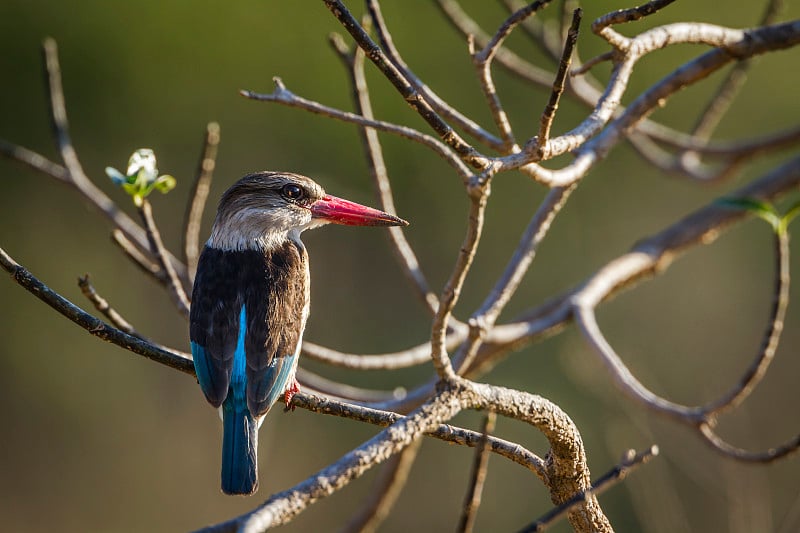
column 239, row 449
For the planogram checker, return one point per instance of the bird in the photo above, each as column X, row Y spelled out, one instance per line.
column 250, row 303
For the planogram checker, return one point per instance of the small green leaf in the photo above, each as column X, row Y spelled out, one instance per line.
column 165, row 183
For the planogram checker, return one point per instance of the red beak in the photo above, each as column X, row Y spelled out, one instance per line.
column 340, row 211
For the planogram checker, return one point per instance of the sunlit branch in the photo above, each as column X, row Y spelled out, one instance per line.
column 630, row 461
column 282, row 95
column 480, row 464
column 447, row 111
column 173, row 283
column 198, row 197
column 374, row 154
column 409, row 93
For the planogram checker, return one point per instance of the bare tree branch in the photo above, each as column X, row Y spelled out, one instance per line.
column 198, row 197
column 549, row 112
column 441, row 106
column 630, row 461
column 452, row 290
column 566, row 455
column 480, row 343
column 478, row 475
column 650, row 256
column 780, row 302
column 467, row 26
column 174, row 286
column 75, row 175
column 102, row 305
column 33, row 160
column 483, row 63
column 92, row 325
column 387, row 489
column 133, row 252
column 467, row 153
column 283, row 96
column 377, row 165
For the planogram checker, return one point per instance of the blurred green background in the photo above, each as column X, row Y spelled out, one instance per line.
column 95, row 439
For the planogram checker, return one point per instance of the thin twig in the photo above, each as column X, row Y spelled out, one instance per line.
column 721, row 101
column 33, row 160
column 447, row 111
column 596, row 60
column 452, row 290
column 75, row 175
column 94, row 326
column 788, row 448
column 630, row 461
column 130, row 249
column 480, row 464
column 174, row 286
column 417, row 355
column 198, row 197
column 632, row 14
column 734, row 155
column 409, row 93
column 651, row 256
column 541, row 32
column 549, row 113
column 446, row 432
column 348, row 393
column 780, row 302
column 506, row 286
column 284, row 96
column 384, row 493
column 380, row 178
column 59, row 112
column 102, row 305
column 491, row 48
column 511, row 61
column 483, row 63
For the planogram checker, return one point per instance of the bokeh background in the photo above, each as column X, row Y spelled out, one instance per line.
column 94, row 438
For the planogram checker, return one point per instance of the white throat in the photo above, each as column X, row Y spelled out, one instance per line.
column 254, row 229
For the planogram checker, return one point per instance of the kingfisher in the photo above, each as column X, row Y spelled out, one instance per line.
column 250, row 303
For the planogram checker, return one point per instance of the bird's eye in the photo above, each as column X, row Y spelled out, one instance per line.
column 292, row 191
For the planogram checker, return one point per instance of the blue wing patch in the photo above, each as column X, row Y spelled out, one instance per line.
column 238, row 375
column 202, row 367
column 276, row 379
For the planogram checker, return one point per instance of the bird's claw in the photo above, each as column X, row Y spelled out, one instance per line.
column 288, row 395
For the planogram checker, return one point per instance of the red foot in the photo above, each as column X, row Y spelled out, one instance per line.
column 291, row 390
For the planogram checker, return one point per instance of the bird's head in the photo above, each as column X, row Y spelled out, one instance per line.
column 262, row 210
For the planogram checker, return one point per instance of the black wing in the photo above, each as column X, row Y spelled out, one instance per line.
column 276, row 325
column 272, row 287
